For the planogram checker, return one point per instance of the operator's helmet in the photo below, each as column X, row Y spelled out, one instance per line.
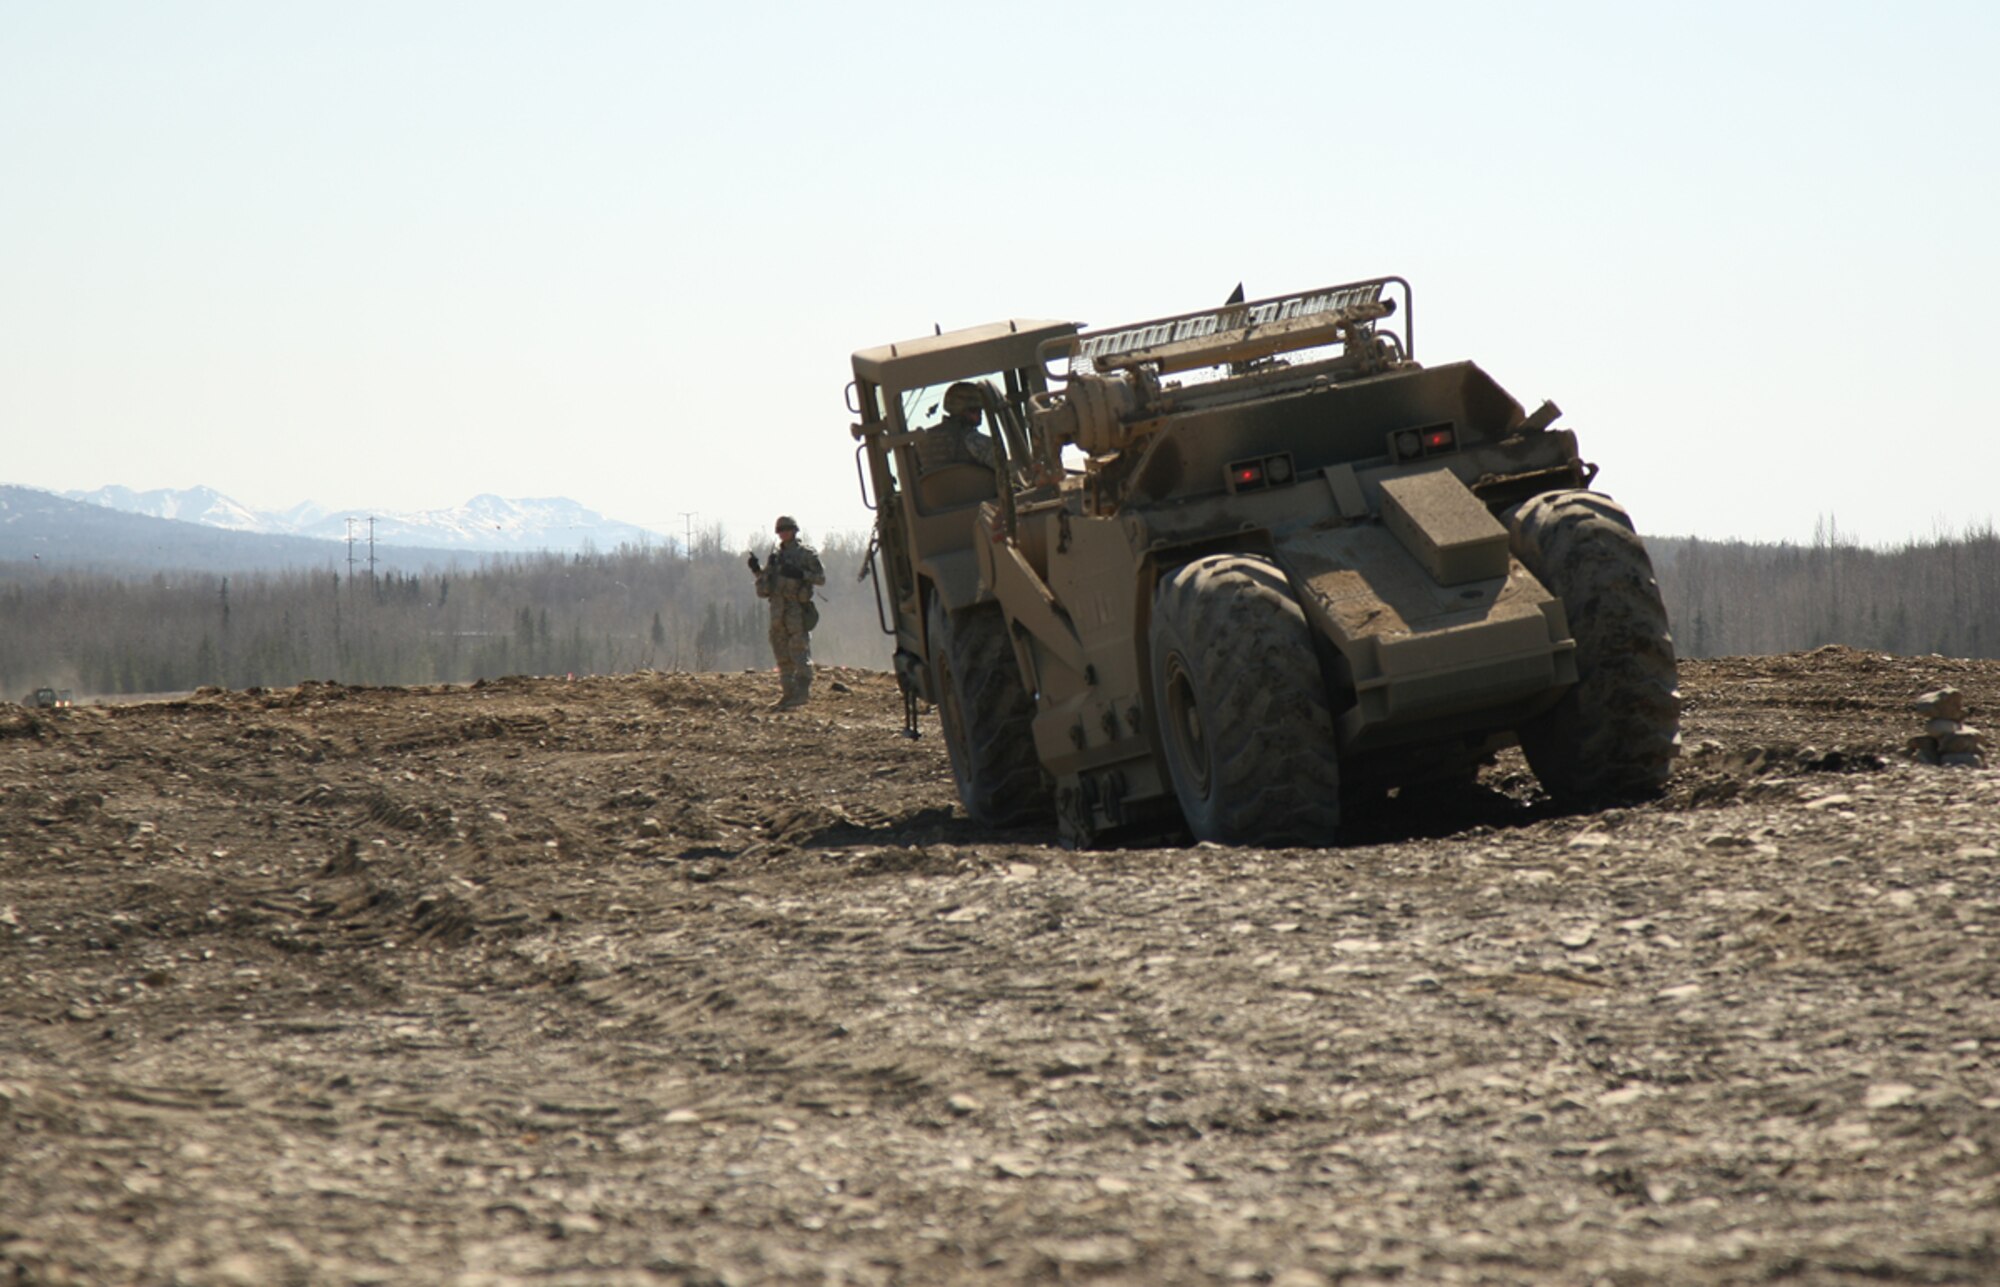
column 962, row 399
column 785, row 523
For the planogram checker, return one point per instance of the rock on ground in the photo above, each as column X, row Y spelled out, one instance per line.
column 632, row 980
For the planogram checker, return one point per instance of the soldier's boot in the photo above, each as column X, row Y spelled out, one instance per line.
column 793, row 697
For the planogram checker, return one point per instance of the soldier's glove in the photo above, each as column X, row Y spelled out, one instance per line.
column 795, row 574
column 755, row 566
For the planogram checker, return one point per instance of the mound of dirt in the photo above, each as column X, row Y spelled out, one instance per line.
column 635, row 979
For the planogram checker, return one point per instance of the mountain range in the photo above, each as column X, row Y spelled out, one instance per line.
column 486, row 524
column 199, row 529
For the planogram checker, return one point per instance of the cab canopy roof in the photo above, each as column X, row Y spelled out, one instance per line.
column 977, row 350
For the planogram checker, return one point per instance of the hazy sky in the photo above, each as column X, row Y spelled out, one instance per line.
column 396, row 254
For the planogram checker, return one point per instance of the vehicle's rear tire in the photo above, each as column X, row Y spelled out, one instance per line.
column 988, row 717
column 1615, row 734
column 1242, row 706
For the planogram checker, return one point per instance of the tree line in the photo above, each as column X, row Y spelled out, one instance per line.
column 590, row 613
column 1732, row 598
column 601, row 613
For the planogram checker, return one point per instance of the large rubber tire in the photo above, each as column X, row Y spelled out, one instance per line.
column 988, row 717
column 1615, row 734
column 1242, row 706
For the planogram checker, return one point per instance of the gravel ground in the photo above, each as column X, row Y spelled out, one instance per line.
column 633, row 980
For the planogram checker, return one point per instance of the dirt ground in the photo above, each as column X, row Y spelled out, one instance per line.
column 633, row 980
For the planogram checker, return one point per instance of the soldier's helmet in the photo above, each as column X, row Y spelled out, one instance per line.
column 785, row 523
column 962, row 399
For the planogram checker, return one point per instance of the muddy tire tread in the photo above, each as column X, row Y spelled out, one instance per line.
column 1275, row 765
column 999, row 777
column 1615, row 734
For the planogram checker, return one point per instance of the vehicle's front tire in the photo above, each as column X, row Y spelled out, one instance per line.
column 988, row 717
column 1615, row 734
column 1241, row 704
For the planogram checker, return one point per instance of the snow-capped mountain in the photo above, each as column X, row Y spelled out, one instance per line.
column 202, row 505
column 484, row 524
column 488, row 522
column 299, row 516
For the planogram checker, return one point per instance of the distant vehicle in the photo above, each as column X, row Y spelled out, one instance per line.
column 52, row 698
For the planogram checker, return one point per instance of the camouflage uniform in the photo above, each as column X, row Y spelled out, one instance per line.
column 787, row 580
column 956, row 439
column 952, row 441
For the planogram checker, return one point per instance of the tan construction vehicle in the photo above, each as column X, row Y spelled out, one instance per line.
column 1242, row 562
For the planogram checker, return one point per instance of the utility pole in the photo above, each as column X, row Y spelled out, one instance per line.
column 350, row 554
column 688, row 516
column 371, row 551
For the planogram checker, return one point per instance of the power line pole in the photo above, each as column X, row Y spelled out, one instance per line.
column 688, row 516
column 350, row 554
column 371, row 550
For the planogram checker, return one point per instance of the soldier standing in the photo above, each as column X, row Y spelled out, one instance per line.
column 787, row 580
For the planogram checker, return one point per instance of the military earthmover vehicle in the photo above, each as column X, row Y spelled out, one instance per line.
column 1242, row 562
